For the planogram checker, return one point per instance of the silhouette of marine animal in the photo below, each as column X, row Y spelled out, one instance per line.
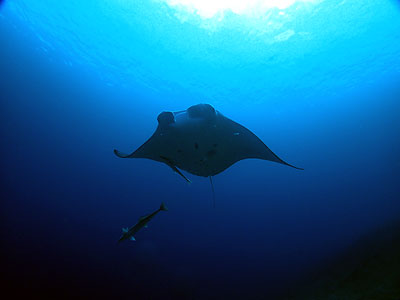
column 201, row 141
column 142, row 223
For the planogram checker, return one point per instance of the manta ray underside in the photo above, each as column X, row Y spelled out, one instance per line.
column 201, row 141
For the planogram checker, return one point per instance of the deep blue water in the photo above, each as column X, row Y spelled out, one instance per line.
column 319, row 83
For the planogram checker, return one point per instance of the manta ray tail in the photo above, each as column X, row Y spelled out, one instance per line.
column 212, row 190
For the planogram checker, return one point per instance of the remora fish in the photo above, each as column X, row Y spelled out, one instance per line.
column 128, row 233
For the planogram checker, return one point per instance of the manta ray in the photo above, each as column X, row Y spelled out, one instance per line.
column 201, row 141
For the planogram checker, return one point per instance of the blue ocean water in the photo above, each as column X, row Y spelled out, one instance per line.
column 317, row 81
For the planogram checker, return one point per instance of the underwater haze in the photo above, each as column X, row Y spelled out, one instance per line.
column 318, row 81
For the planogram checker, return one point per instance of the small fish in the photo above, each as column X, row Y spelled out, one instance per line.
column 128, row 233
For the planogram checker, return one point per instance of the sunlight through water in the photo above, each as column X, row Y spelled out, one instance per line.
column 254, row 51
column 211, row 8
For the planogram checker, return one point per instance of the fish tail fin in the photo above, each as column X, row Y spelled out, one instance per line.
column 132, row 238
column 163, row 207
